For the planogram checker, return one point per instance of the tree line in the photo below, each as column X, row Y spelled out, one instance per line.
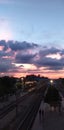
column 7, row 86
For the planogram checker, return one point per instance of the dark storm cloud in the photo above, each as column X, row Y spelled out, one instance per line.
column 15, row 46
column 47, row 51
column 5, row 65
column 25, row 58
column 43, row 61
column 4, row 44
column 16, row 52
column 62, row 52
column 52, row 64
column 9, row 49
column 3, row 53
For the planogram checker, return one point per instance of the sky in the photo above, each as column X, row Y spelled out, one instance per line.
column 32, row 38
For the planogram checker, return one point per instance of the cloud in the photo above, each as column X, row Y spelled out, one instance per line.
column 15, row 46
column 25, row 58
column 4, row 44
column 43, row 61
column 5, row 65
column 50, row 63
column 14, row 52
column 62, row 52
column 47, row 51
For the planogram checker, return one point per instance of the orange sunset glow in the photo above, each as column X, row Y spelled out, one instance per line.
column 21, row 58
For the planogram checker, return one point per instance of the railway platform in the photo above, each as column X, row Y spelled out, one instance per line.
column 50, row 120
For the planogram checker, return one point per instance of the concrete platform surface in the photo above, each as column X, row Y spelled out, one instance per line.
column 51, row 120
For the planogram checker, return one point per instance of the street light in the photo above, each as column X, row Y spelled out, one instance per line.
column 51, row 81
column 22, row 79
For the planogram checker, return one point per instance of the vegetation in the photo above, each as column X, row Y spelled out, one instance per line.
column 7, row 86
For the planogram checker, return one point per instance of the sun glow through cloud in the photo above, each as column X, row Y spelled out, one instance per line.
column 53, row 56
column 26, row 66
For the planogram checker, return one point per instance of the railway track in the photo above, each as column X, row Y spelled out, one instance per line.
column 26, row 123
column 25, row 118
column 11, row 106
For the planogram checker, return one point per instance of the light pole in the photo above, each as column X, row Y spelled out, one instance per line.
column 22, row 80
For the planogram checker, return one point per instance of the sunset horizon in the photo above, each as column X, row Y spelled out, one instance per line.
column 32, row 38
column 23, row 58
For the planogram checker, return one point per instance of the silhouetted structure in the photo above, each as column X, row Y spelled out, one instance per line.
column 53, row 97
